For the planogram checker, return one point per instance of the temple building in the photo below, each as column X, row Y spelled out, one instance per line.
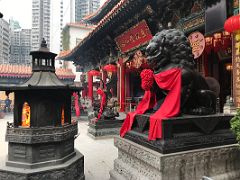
column 124, row 28
column 72, row 35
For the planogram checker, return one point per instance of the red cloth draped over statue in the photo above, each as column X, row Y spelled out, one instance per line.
column 103, row 102
column 169, row 80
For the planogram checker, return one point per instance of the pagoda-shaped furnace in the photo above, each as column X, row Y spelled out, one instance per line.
column 41, row 137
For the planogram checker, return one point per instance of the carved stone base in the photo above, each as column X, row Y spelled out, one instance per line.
column 103, row 133
column 83, row 118
column 104, row 128
column 72, row 169
column 184, row 133
column 138, row 162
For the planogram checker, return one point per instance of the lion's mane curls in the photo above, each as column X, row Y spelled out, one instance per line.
column 174, row 47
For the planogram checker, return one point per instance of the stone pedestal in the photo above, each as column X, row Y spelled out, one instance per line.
column 42, row 153
column 104, row 128
column 73, row 169
column 138, row 162
column 184, row 133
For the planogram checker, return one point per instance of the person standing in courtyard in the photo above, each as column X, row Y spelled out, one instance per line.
column 7, row 104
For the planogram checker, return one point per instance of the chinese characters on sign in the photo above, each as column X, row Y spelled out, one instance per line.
column 134, row 37
column 193, row 23
column 197, row 42
column 236, row 68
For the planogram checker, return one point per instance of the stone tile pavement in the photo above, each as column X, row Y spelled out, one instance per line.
column 98, row 154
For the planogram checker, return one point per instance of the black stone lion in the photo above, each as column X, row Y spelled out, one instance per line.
column 108, row 108
column 171, row 49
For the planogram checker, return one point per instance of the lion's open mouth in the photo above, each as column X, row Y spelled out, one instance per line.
column 152, row 60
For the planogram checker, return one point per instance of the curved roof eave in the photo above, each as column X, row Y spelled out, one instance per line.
column 115, row 10
column 101, row 12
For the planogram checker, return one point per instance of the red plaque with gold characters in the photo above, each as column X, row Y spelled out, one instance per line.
column 197, row 42
column 134, row 37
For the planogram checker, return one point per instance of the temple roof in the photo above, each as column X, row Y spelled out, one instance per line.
column 80, row 25
column 43, row 79
column 63, row 53
column 39, row 80
column 21, row 71
column 95, row 17
column 121, row 17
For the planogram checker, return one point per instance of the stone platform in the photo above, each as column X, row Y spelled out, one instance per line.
column 138, row 162
column 73, row 169
column 184, row 133
column 104, row 128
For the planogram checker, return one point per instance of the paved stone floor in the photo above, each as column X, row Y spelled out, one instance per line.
column 98, row 154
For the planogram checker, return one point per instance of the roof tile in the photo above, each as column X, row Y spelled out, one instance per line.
column 22, row 71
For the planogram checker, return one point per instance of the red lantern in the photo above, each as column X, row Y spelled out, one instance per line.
column 94, row 73
column 232, row 24
column 226, row 40
column 208, row 44
column 217, row 41
column 110, row 68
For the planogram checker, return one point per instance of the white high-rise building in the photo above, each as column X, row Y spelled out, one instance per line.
column 20, row 44
column 63, row 12
column 82, row 8
column 40, row 22
column 4, row 41
column 61, row 24
column 15, row 46
column 60, row 15
column 26, row 46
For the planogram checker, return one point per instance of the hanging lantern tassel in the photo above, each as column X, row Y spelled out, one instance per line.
column 217, row 42
column 208, row 45
column 226, row 40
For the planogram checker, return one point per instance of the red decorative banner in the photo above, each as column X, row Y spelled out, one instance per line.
column 134, row 37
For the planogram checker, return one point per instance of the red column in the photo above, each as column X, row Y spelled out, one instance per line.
column 118, row 82
column 122, row 85
column 104, row 77
column 205, row 61
column 90, row 87
column 128, row 94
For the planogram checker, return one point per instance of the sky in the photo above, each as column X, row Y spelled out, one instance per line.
column 20, row 10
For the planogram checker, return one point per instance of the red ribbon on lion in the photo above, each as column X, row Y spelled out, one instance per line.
column 169, row 80
column 103, row 102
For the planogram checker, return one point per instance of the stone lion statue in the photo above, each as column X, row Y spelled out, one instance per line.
column 171, row 49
